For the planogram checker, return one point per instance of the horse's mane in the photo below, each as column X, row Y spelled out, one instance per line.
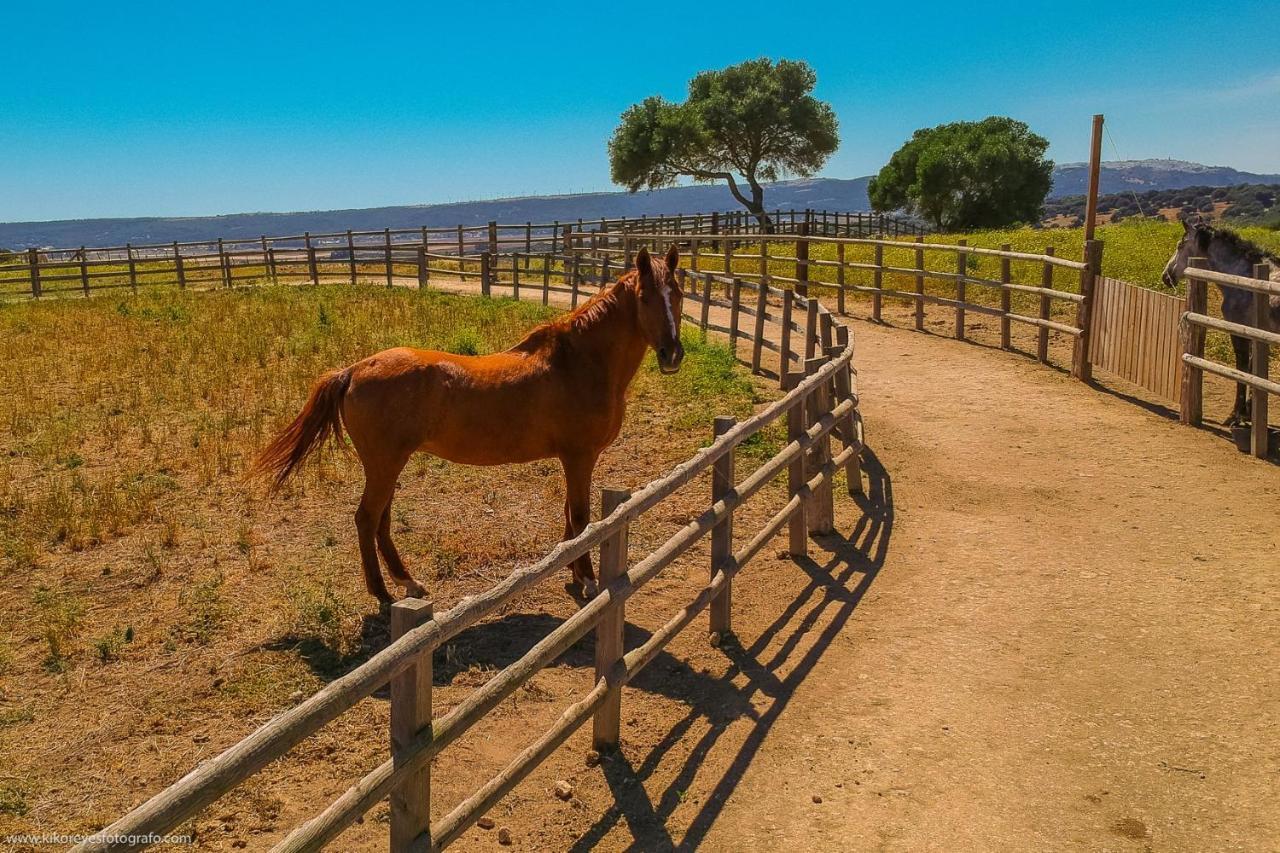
column 1251, row 250
column 579, row 318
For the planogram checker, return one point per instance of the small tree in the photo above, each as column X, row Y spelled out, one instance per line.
column 757, row 119
column 985, row 174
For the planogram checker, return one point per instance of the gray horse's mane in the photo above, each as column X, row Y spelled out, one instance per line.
column 1251, row 250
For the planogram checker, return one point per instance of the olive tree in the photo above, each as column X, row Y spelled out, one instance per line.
column 755, row 122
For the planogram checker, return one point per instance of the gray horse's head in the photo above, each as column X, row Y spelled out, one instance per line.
column 1194, row 243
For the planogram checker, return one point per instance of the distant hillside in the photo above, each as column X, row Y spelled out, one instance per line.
column 819, row 193
column 1251, row 204
column 1141, row 175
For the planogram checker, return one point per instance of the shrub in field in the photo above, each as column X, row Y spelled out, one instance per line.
column 59, row 615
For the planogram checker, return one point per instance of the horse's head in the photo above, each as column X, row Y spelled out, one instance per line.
column 1194, row 243
column 660, row 301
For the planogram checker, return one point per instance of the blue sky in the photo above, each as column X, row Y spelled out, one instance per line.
column 169, row 109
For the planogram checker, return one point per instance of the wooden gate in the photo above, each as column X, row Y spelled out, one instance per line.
column 1135, row 336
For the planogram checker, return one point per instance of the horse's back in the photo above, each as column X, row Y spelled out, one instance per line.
column 478, row 410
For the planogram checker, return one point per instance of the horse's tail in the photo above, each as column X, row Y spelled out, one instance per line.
column 319, row 421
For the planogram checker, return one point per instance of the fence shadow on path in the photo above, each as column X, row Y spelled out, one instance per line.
column 844, row 570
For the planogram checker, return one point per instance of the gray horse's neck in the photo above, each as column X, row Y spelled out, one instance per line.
column 1237, row 304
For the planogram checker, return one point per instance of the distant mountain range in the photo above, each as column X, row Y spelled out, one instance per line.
column 817, row 193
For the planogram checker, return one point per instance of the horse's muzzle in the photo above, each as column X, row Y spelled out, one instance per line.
column 669, row 359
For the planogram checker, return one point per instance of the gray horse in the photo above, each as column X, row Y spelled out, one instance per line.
column 1227, row 252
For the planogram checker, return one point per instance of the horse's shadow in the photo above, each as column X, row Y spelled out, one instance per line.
column 844, row 568
column 491, row 646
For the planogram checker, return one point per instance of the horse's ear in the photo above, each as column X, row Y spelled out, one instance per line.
column 643, row 263
column 673, row 258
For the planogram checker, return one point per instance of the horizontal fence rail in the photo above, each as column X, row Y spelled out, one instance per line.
column 820, row 402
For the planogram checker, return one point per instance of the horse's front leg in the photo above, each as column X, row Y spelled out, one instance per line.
column 1240, row 411
column 577, row 514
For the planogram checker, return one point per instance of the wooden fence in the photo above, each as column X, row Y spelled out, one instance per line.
column 1259, row 332
column 364, row 255
column 794, row 263
column 820, row 401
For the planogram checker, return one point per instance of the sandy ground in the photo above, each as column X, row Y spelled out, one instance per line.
column 1052, row 624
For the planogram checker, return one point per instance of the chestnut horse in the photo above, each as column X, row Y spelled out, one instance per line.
column 559, row 393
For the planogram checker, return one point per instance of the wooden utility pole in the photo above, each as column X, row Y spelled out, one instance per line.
column 1095, row 165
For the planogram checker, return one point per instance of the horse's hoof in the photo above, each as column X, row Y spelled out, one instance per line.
column 589, row 589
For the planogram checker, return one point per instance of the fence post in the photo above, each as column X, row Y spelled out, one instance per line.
column 722, row 483
column 351, row 255
column 784, row 350
column 1081, row 366
column 609, row 631
column 962, row 270
column 840, row 297
column 462, row 249
column 810, row 329
column 878, row 281
column 422, row 267
column 572, row 269
column 386, row 236
column 822, row 519
column 133, row 266
column 33, row 261
column 797, row 528
column 920, row 283
column 802, row 259
column 1192, row 402
column 312, row 268
column 1005, row 298
column 715, row 229
column 515, row 276
column 1042, row 332
column 410, row 714
column 486, row 285
column 493, row 238
column 1260, row 358
column 84, row 267
column 757, row 344
column 844, row 391
column 706, row 304
column 735, row 309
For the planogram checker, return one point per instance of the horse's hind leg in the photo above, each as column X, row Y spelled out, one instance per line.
column 577, row 515
column 1240, row 412
column 379, row 483
column 392, row 557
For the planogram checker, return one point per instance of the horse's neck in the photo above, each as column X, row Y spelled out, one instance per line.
column 607, row 334
column 1237, row 303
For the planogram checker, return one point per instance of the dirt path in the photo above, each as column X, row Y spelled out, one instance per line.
column 1070, row 641
column 1053, row 625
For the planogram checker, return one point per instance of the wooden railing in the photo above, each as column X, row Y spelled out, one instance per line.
column 791, row 262
column 362, row 255
column 1259, row 332
column 820, row 401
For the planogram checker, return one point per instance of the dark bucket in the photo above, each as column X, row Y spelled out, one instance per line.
column 1243, row 437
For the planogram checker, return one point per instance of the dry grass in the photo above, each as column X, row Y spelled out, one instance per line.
column 154, row 607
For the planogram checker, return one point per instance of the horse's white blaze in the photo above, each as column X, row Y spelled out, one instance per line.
column 671, row 317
